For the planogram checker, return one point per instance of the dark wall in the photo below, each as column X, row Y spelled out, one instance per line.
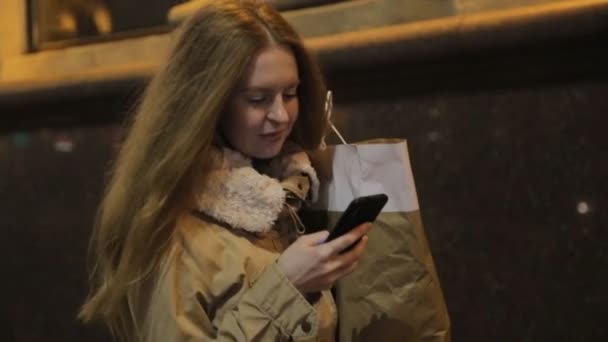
column 510, row 158
column 53, row 161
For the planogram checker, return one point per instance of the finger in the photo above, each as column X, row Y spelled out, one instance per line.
column 344, row 271
column 352, row 258
column 350, row 269
column 357, row 251
column 314, row 238
column 345, row 260
column 342, row 266
column 344, row 241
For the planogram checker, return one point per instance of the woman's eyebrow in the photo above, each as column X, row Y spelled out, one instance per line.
column 267, row 88
column 261, row 89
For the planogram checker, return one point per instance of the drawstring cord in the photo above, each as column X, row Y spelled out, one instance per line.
column 295, row 219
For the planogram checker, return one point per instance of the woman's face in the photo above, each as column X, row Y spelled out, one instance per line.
column 261, row 114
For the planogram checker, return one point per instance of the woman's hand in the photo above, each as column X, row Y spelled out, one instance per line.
column 312, row 265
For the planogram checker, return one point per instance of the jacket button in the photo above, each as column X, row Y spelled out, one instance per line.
column 306, row 326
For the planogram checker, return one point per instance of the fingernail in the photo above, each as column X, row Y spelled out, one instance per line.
column 324, row 234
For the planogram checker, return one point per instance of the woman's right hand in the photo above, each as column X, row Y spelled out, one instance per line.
column 312, row 265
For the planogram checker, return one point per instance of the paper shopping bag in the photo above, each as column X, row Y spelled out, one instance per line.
column 394, row 294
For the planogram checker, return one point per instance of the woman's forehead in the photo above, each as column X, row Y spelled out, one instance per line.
column 273, row 67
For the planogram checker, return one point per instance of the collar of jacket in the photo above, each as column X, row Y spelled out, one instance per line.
column 244, row 198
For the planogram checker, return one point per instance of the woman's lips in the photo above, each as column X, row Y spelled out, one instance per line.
column 273, row 136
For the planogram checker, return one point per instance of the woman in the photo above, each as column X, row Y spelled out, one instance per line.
column 197, row 238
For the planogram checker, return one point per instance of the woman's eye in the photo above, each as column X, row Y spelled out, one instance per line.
column 256, row 99
column 290, row 94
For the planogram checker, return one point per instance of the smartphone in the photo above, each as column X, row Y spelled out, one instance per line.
column 360, row 210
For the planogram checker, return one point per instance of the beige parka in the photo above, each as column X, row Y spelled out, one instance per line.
column 220, row 281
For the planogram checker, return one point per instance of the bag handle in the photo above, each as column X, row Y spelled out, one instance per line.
column 329, row 106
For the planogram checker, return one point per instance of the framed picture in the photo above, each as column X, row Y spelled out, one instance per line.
column 60, row 23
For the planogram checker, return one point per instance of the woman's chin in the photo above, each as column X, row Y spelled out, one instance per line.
column 267, row 152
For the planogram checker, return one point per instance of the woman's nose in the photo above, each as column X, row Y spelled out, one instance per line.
column 278, row 112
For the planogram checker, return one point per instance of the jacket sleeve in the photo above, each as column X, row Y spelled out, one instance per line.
column 214, row 301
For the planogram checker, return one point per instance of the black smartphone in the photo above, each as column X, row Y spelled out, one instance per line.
column 360, row 210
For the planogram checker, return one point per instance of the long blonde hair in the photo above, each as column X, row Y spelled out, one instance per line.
column 171, row 136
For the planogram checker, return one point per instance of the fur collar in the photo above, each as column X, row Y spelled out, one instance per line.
column 240, row 196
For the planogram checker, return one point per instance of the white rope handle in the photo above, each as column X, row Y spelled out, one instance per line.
column 329, row 106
